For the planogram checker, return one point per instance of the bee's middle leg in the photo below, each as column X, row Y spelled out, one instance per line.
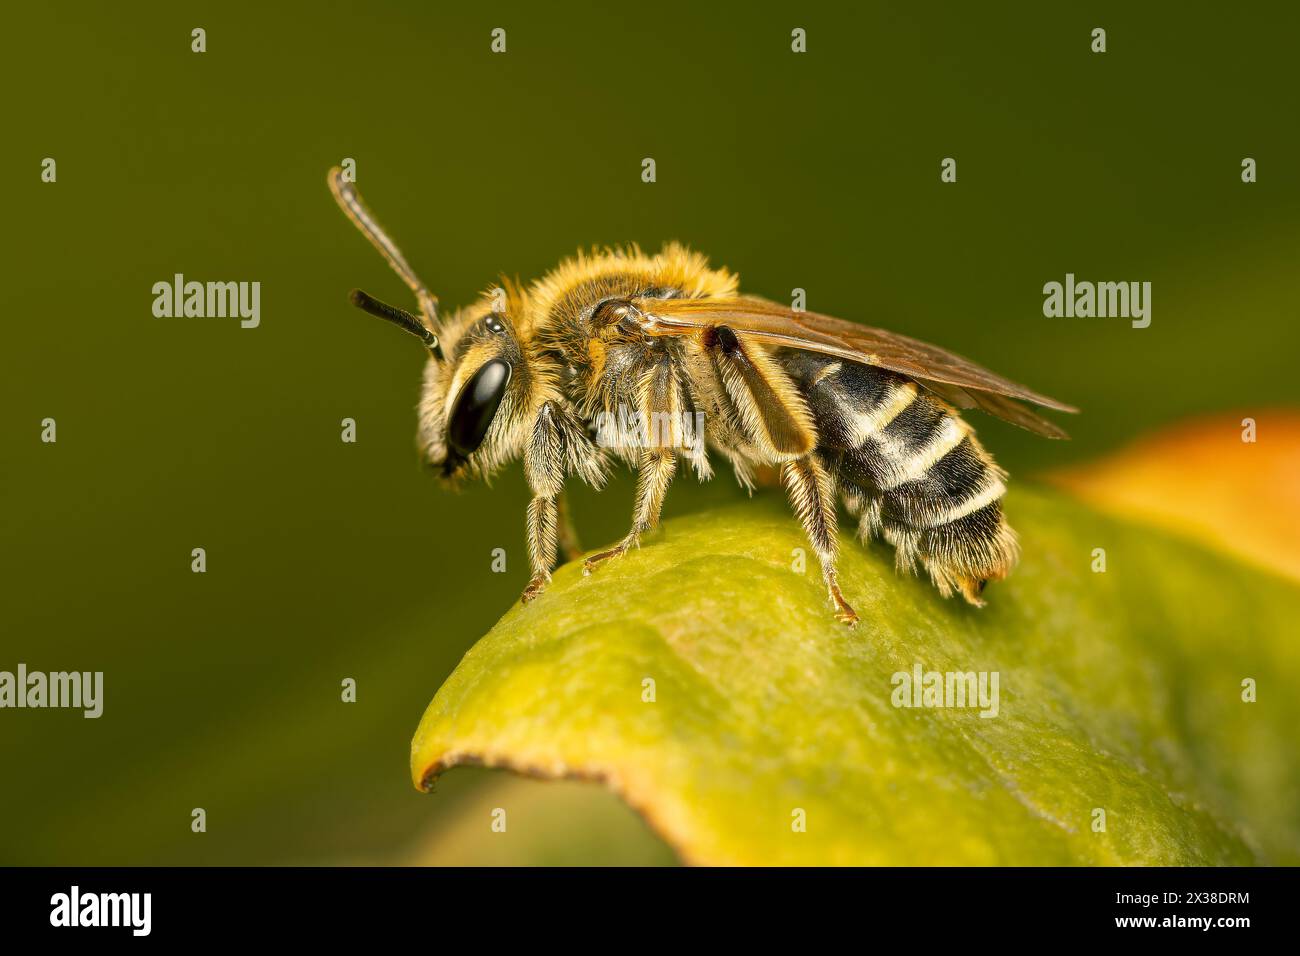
column 812, row 495
column 653, row 477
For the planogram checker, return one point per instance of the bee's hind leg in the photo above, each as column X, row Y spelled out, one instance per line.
column 653, row 477
column 812, row 495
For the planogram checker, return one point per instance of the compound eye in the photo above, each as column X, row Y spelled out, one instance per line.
column 476, row 405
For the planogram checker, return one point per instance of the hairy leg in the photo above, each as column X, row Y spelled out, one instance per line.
column 544, row 469
column 653, row 477
column 541, row 545
column 812, row 495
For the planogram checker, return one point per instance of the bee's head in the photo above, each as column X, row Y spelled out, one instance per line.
column 472, row 410
column 475, row 385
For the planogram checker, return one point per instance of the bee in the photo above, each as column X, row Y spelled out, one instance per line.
column 838, row 409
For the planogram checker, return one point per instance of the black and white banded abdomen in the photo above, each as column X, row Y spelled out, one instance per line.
column 910, row 469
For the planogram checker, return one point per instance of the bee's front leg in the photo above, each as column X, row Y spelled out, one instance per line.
column 541, row 545
column 544, row 469
column 653, row 477
column 812, row 494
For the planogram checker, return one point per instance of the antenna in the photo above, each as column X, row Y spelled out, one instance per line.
column 349, row 200
column 399, row 317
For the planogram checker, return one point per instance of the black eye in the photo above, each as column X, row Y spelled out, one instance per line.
column 476, row 405
column 493, row 325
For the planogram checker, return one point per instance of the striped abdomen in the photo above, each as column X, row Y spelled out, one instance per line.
column 909, row 468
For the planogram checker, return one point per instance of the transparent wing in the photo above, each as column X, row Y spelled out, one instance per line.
column 950, row 376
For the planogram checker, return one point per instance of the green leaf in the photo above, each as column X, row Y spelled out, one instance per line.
column 1119, row 691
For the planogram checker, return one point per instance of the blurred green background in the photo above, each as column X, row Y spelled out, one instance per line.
column 328, row 560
